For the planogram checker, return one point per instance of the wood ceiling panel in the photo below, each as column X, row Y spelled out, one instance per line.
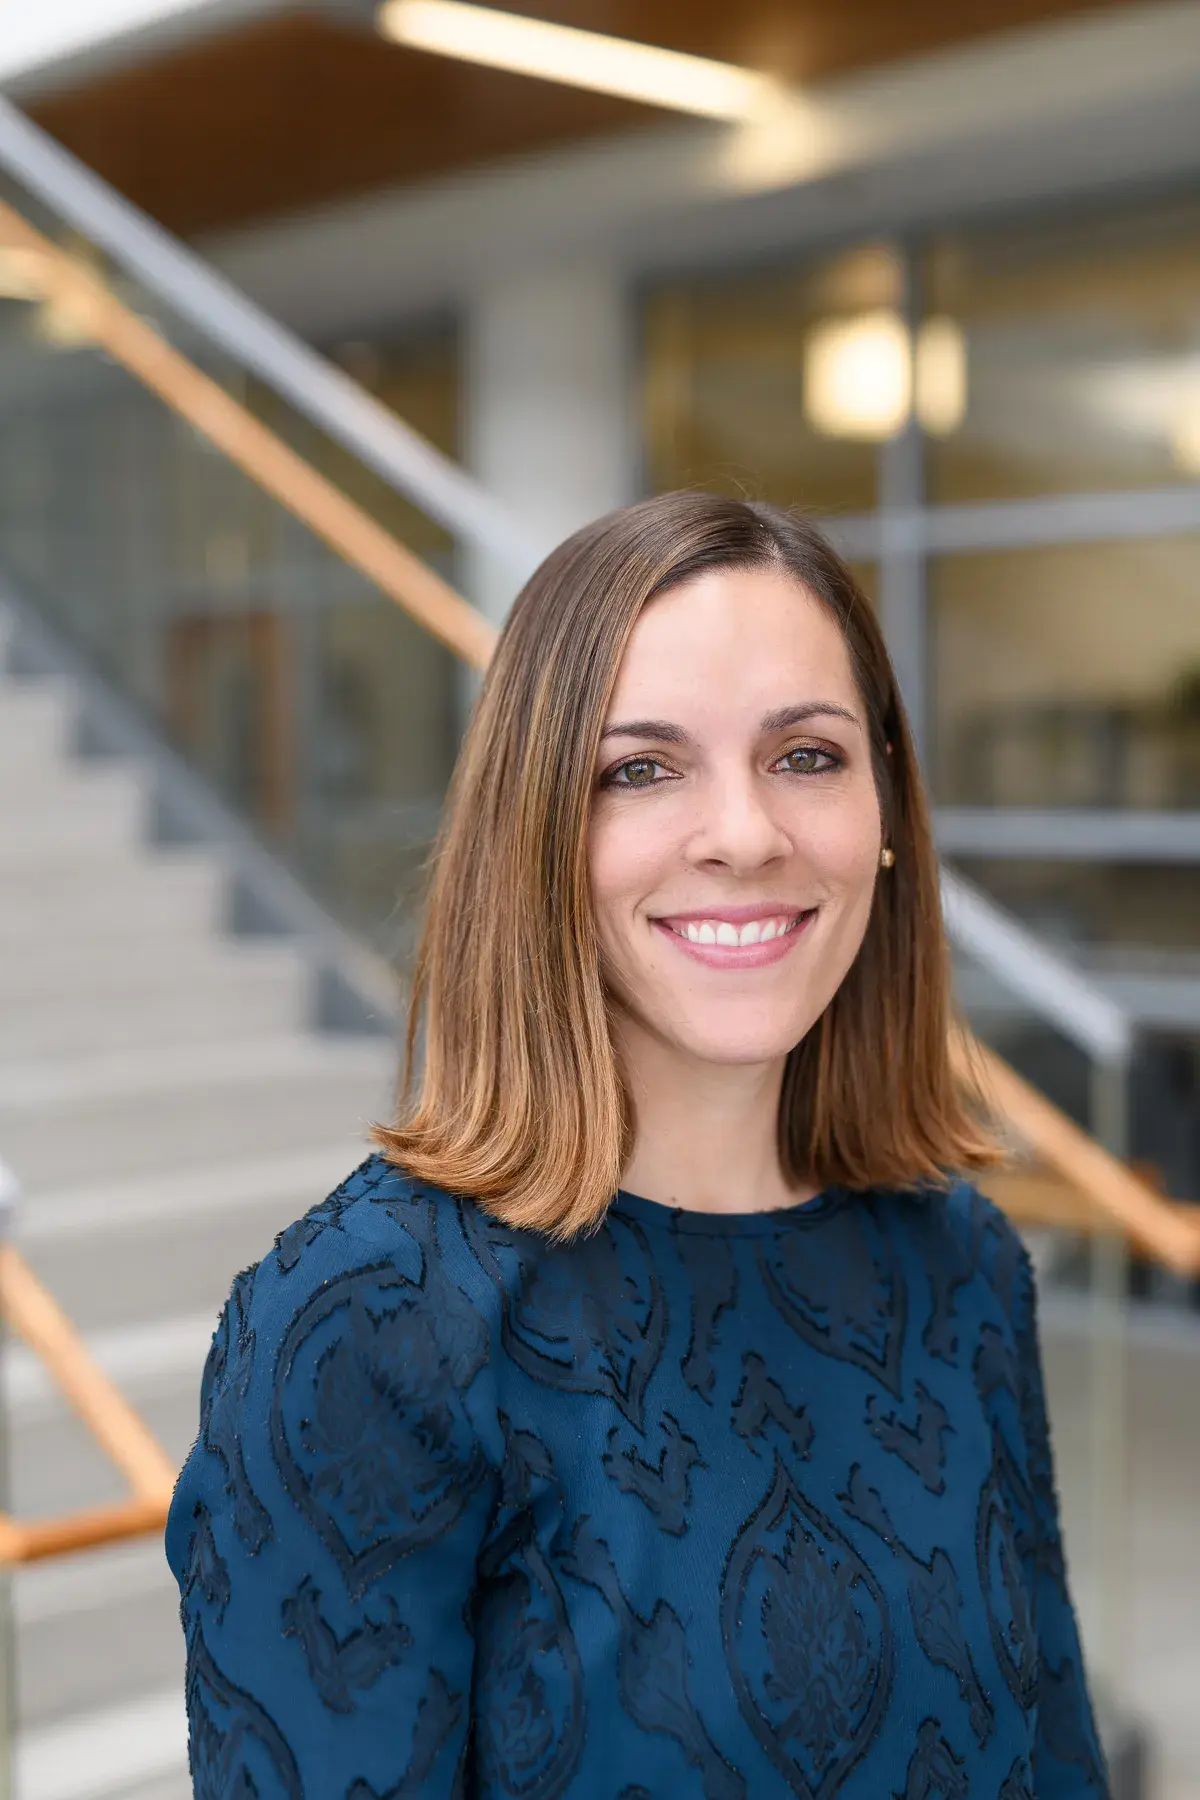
column 296, row 110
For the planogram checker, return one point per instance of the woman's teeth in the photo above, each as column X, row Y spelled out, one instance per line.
column 719, row 931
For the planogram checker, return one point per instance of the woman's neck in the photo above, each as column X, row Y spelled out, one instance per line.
column 705, row 1134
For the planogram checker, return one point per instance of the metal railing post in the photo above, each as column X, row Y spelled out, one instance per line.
column 1108, row 1423
column 8, row 1643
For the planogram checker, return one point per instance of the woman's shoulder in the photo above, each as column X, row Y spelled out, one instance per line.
column 379, row 1225
column 377, row 1204
column 968, row 1235
column 368, row 1315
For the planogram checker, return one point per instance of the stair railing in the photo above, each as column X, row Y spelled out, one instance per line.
column 1111, row 1197
column 38, row 1320
column 224, row 316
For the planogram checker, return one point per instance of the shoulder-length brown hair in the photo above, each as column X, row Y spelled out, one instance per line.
column 520, row 1102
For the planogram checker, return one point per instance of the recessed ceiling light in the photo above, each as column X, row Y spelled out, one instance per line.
column 586, row 59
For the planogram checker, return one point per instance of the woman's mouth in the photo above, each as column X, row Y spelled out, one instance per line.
column 742, row 942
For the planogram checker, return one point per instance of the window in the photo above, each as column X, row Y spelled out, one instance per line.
column 731, row 373
column 1082, row 355
column 1068, row 676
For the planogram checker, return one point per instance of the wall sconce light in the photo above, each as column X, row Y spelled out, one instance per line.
column 864, row 378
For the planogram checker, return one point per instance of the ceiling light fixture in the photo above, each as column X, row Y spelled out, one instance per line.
column 585, row 59
column 865, row 376
column 858, row 376
column 1185, row 442
column 940, row 376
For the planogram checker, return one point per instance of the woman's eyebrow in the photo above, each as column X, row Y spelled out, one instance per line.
column 663, row 732
column 659, row 729
column 810, row 709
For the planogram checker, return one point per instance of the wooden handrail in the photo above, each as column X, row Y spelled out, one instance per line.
column 38, row 1319
column 1034, row 1195
column 24, row 1541
column 1120, row 1196
column 80, row 296
column 1111, row 1196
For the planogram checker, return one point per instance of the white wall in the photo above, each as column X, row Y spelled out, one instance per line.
column 548, row 387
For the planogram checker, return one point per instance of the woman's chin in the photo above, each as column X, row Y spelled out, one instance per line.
column 717, row 1043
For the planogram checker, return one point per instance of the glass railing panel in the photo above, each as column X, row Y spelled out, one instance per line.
column 1084, row 1306
column 1129, row 929
column 1103, row 915
column 320, row 711
column 1121, row 1350
column 8, row 1628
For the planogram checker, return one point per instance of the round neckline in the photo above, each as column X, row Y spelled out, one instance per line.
column 725, row 1224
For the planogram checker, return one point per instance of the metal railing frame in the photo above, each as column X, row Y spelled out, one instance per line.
column 1119, row 1200
column 225, row 317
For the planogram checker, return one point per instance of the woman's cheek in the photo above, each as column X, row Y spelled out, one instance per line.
column 842, row 847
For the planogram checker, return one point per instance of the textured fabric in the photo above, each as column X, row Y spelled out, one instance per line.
column 699, row 1508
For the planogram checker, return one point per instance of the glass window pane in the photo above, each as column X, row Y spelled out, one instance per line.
column 732, row 371
column 1068, row 676
column 1110, row 916
column 867, row 576
column 1082, row 355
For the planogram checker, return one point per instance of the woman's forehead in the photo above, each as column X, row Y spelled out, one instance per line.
column 733, row 636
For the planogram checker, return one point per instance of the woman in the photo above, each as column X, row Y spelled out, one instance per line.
column 655, row 1415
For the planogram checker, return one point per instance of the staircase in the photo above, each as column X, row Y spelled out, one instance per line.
column 166, row 1107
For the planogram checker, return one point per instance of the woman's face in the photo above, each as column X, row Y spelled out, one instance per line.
column 735, row 833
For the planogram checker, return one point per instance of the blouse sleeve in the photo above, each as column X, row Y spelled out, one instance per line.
column 1068, row 1760
column 325, row 1529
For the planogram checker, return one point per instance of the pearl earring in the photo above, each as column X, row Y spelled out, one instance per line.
column 887, row 858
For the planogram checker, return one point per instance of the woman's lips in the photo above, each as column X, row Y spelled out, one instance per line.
column 737, row 956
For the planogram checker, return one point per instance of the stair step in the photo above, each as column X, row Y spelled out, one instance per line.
column 153, row 1357
column 34, row 719
column 58, row 1468
column 91, row 974
column 167, row 1112
column 111, row 1753
column 103, row 813
column 231, row 1004
column 119, row 1212
column 93, row 1630
column 61, row 778
column 180, row 1257
column 142, row 1071
column 125, row 895
column 229, row 1114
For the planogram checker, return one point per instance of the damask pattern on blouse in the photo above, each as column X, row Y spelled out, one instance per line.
column 697, row 1508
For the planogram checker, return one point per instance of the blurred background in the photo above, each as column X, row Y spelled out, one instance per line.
column 291, row 295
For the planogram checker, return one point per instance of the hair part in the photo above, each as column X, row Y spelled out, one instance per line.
column 520, row 1102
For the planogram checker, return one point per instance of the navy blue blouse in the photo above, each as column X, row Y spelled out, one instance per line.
column 698, row 1508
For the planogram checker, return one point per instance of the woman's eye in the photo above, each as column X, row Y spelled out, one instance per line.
column 638, row 772
column 806, row 760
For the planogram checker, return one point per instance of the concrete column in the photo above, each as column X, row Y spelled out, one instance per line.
column 549, row 412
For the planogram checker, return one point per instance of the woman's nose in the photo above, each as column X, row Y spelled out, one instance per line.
column 736, row 827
